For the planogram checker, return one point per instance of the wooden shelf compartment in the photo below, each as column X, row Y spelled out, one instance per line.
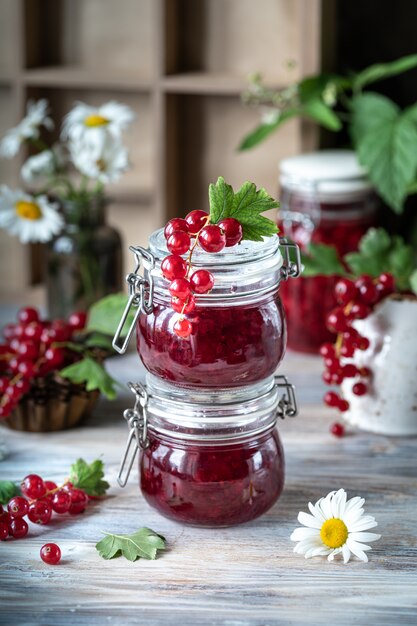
column 207, row 83
column 85, row 78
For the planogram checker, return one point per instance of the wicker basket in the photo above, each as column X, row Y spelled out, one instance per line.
column 53, row 403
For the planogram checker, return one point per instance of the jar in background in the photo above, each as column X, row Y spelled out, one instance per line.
column 325, row 198
column 239, row 329
column 213, row 458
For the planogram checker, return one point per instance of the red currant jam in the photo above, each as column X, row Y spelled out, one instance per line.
column 228, row 346
column 213, row 485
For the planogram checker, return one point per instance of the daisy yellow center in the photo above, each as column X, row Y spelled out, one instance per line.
column 28, row 210
column 334, row 533
column 95, row 120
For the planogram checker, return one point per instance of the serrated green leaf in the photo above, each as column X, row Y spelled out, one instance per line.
column 401, row 262
column 92, row 374
column 104, row 316
column 389, row 153
column 380, row 71
column 97, row 340
column 413, row 282
column 142, row 544
column 370, row 110
column 8, row 490
column 248, row 203
column 322, row 260
column 221, row 200
column 89, row 477
column 319, row 112
column 376, row 241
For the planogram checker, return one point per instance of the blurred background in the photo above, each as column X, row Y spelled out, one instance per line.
column 181, row 65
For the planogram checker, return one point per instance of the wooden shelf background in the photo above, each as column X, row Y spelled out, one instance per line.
column 181, row 65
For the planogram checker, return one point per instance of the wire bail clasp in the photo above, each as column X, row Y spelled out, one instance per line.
column 287, row 404
column 290, row 268
column 140, row 295
column 137, row 420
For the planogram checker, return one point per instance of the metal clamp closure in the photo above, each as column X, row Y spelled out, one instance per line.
column 140, row 295
column 137, row 420
column 290, row 268
column 287, row 404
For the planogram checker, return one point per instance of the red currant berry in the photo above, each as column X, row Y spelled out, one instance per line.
column 173, row 266
column 202, row 281
column 182, row 306
column 54, row 357
column 331, row 399
column 196, row 220
column 18, row 507
column 183, row 328
column 345, row 291
column 365, row 372
column 6, row 407
column 13, row 393
column 336, row 321
column 79, row 500
column 327, row 349
column 28, row 315
column 347, row 350
column 327, row 377
column 337, row 378
column 179, row 242
column 9, row 332
column 28, row 350
column 18, row 528
column 40, row 512
column 14, row 365
column 211, row 238
column 23, row 385
column 337, row 429
column 33, row 487
column 385, row 285
column 332, row 363
column 180, row 288
column 27, row 369
column 364, row 343
column 4, row 383
column 4, row 531
column 177, row 223
column 367, row 289
column 232, row 230
column 61, row 501
column 33, row 331
column 349, row 370
column 359, row 311
column 77, row 320
column 359, row 389
column 50, row 485
column 50, row 554
column 350, row 335
column 62, row 330
column 343, row 406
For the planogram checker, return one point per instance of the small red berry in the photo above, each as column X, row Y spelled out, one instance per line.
column 327, row 377
column 50, row 485
column 4, row 531
column 367, row 289
column 364, row 343
column 40, row 512
column 343, row 406
column 54, row 357
column 331, row 399
column 336, row 321
column 183, row 328
column 79, row 500
column 345, row 291
column 349, row 370
column 232, row 230
column 365, row 372
column 18, row 528
column 50, row 553
column 177, row 223
column 33, row 487
column 327, row 349
column 359, row 389
column 182, row 306
column 202, row 281
column 196, row 220
column 359, row 311
column 337, row 429
column 173, row 266
column 27, row 315
column 179, row 242
column 212, row 239
column 77, row 320
column 61, row 501
column 180, row 288
column 18, row 507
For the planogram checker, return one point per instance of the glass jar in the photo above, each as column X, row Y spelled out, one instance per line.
column 239, row 330
column 212, row 458
column 83, row 262
column 325, row 198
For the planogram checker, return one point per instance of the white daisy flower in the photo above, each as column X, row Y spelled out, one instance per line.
column 28, row 128
column 106, row 166
column 40, row 166
column 27, row 217
column 336, row 525
column 90, row 126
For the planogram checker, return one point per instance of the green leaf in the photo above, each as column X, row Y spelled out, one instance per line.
column 89, row 477
column 92, row 374
column 142, row 544
column 380, row 71
column 104, row 316
column 97, row 340
column 7, row 491
column 413, row 281
column 322, row 260
column 370, row 110
column 263, row 131
column 389, row 152
column 319, row 112
column 401, row 262
column 221, row 200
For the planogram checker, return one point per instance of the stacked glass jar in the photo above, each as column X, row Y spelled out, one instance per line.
column 205, row 420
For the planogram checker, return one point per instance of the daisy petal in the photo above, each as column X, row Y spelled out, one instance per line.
column 309, row 520
column 346, row 554
column 304, row 533
column 360, row 536
column 363, row 524
column 356, row 549
column 316, row 512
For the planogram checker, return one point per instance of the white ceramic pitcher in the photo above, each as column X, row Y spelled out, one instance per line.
column 390, row 406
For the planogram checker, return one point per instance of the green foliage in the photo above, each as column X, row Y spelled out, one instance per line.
column 92, row 374
column 265, row 129
column 380, row 71
column 104, row 315
column 322, row 260
column 89, row 477
column 142, row 544
column 7, row 491
column 246, row 205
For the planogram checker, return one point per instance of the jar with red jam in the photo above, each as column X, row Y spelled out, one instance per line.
column 238, row 329
column 211, row 458
column 325, row 198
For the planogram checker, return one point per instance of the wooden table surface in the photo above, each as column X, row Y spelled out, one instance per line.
column 242, row 576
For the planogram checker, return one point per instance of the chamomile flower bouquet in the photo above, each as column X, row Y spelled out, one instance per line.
column 62, row 199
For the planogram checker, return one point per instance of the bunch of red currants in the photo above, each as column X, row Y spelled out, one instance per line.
column 356, row 300
column 33, row 347
column 183, row 235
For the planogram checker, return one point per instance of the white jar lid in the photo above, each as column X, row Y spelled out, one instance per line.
column 335, row 175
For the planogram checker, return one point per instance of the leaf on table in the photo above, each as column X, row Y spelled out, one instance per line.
column 322, row 260
column 8, row 490
column 142, row 544
column 89, row 477
column 93, row 375
column 104, row 316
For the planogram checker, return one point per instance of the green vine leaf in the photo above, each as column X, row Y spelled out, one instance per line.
column 7, row 491
column 89, row 477
column 142, row 544
column 380, row 71
column 221, row 200
column 92, row 374
column 104, row 315
column 322, row 260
